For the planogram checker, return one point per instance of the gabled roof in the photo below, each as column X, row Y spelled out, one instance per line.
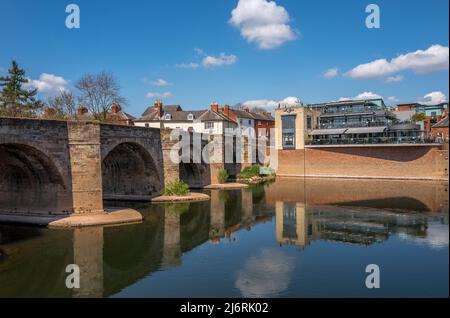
column 242, row 114
column 183, row 115
column 261, row 116
column 211, row 115
column 442, row 124
column 175, row 111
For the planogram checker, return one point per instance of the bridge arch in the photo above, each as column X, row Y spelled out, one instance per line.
column 196, row 175
column 129, row 172
column 30, row 182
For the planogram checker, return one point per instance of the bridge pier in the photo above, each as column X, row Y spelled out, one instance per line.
column 170, row 168
column 85, row 163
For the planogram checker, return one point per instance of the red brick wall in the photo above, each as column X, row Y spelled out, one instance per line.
column 439, row 131
column 263, row 124
column 396, row 162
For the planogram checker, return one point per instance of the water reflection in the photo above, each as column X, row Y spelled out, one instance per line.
column 297, row 224
column 266, row 274
column 232, row 241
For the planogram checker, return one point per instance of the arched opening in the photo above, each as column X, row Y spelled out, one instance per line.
column 130, row 173
column 196, row 175
column 30, row 182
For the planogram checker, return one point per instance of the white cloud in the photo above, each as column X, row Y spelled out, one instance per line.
column 362, row 96
column 394, row 79
column 393, row 99
column 48, row 84
column 159, row 95
column 331, row 73
column 433, row 98
column 261, row 103
column 267, row 274
column 191, row 65
column 263, row 22
column 435, row 58
column 437, row 237
column 270, row 104
column 199, row 51
column 210, row 61
column 160, row 82
column 222, row 59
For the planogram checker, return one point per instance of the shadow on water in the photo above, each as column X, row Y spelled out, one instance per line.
column 353, row 212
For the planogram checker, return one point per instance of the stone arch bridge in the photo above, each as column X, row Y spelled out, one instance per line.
column 62, row 168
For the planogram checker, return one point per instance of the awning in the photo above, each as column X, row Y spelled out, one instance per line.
column 365, row 130
column 318, row 132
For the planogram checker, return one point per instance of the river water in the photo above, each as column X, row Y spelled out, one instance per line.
column 290, row 238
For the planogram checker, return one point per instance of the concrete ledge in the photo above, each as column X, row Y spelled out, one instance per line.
column 193, row 196
column 227, row 186
column 117, row 197
column 363, row 177
column 113, row 218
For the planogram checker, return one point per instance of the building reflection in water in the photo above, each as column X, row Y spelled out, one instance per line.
column 33, row 260
column 298, row 224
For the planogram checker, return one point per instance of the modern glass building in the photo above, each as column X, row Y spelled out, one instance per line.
column 360, row 122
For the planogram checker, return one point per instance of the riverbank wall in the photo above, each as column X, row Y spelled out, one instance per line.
column 412, row 162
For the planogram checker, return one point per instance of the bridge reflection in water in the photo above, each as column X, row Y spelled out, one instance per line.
column 33, row 260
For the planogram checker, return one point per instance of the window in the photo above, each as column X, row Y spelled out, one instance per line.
column 308, row 122
column 147, row 125
column 190, row 117
column 249, row 121
column 167, row 117
column 209, row 124
column 288, row 131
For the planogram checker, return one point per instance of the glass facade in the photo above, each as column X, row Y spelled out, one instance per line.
column 288, row 131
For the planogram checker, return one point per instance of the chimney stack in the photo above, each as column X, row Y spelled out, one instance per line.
column 215, row 107
column 159, row 107
column 49, row 112
column 115, row 108
column 226, row 110
column 82, row 110
column 245, row 108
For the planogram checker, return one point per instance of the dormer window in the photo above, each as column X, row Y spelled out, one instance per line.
column 190, row 117
column 167, row 117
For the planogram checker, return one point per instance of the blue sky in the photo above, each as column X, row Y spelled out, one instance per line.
column 262, row 54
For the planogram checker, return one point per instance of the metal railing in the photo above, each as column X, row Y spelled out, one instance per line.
column 353, row 125
column 373, row 141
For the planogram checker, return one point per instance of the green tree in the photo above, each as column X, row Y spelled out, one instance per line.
column 15, row 101
column 418, row 117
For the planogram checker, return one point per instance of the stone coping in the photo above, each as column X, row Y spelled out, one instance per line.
column 443, row 178
column 118, row 217
column 227, row 186
column 372, row 145
column 192, row 196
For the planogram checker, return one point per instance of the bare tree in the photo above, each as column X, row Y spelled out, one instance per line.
column 98, row 92
column 64, row 105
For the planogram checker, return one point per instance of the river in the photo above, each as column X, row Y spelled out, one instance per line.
column 289, row 238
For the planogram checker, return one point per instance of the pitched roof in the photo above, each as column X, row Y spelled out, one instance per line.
column 243, row 114
column 261, row 116
column 175, row 111
column 442, row 124
column 211, row 115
